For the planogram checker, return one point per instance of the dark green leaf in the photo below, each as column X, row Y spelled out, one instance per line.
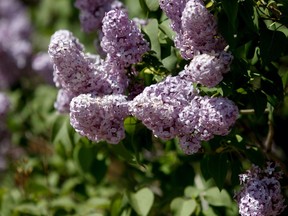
column 272, row 44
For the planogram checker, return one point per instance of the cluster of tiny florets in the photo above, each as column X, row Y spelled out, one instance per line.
column 93, row 11
column 99, row 118
column 205, row 117
column 159, row 104
column 199, row 31
column 173, row 10
column 207, row 69
column 198, row 40
column 173, row 108
column 42, row 64
column 261, row 192
column 78, row 72
column 15, row 45
column 122, row 40
column 90, row 88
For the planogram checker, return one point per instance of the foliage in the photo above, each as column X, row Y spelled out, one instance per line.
column 62, row 173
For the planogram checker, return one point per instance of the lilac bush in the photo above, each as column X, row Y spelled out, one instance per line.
column 163, row 95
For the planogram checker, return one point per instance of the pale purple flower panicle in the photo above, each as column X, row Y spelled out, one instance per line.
column 173, row 10
column 4, row 105
column 62, row 103
column 93, row 11
column 15, row 44
column 15, row 30
column 74, row 70
column 99, row 118
column 122, row 40
column 207, row 69
column 42, row 64
column 189, row 144
column 159, row 104
column 260, row 194
column 203, row 118
column 216, row 117
column 199, row 31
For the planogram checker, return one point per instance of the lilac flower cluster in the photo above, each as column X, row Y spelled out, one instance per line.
column 208, row 68
column 195, row 26
column 78, row 72
column 15, row 45
column 122, row 40
column 93, row 11
column 92, row 89
column 42, row 64
column 173, row 10
column 197, row 38
column 261, row 192
column 158, row 105
column 174, row 108
column 99, row 118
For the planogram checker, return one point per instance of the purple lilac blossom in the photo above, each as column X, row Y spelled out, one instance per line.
column 260, row 194
column 207, row 69
column 74, row 70
column 42, row 64
column 173, row 10
column 62, row 103
column 122, row 40
column 99, row 118
column 199, row 31
column 15, row 44
column 217, row 116
column 203, row 118
column 159, row 104
column 93, row 11
column 189, row 144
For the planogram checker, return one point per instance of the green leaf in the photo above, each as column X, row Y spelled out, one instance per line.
column 182, row 207
column 215, row 166
column 141, row 201
column 165, row 27
column 191, row 192
column 29, row 209
column 58, row 124
column 130, row 124
column 255, row 155
column 216, row 198
column 259, row 101
column 170, row 61
column 151, row 29
column 65, row 202
column 152, row 5
column 231, row 9
column 84, row 157
column 272, row 44
column 124, row 153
